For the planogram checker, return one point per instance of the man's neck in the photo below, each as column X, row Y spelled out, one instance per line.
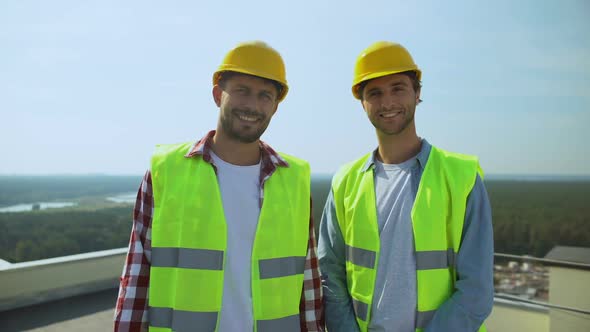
column 235, row 152
column 395, row 149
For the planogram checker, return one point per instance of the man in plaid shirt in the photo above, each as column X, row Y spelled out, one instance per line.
column 223, row 236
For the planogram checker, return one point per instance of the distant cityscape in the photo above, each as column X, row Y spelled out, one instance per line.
column 523, row 279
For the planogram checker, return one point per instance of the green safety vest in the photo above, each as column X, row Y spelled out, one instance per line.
column 189, row 237
column 437, row 221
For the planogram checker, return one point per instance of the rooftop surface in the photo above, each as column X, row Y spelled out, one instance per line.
column 90, row 313
column 570, row 254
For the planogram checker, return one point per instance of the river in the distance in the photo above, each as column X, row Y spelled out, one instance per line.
column 38, row 206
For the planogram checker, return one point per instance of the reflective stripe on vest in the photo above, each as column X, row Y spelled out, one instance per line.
column 361, row 257
column 435, row 259
column 437, row 227
column 361, row 309
column 179, row 320
column 285, row 324
column 281, row 267
column 202, row 259
column 189, row 236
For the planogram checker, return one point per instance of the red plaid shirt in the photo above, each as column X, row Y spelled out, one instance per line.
column 131, row 313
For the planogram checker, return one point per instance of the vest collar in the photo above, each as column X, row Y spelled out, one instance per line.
column 269, row 158
column 422, row 157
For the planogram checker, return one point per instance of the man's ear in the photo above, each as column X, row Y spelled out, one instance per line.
column 276, row 108
column 363, row 105
column 217, row 91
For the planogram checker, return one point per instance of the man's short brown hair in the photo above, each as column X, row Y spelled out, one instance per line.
column 226, row 75
column 416, row 84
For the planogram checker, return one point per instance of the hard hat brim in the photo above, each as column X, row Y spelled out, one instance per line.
column 368, row 77
column 281, row 96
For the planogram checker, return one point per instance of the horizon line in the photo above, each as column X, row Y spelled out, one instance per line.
column 487, row 176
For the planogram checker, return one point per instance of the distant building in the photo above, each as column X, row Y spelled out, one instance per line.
column 568, row 287
column 526, row 267
column 570, row 254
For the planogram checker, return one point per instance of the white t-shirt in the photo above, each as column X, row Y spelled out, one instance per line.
column 240, row 194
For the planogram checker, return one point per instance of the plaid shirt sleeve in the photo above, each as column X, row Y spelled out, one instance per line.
column 131, row 310
column 311, row 311
column 132, row 305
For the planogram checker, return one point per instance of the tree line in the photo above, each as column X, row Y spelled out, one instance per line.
column 533, row 217
column 41, row 234
column 528, row 217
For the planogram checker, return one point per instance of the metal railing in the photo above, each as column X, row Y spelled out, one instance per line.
column 21, row 286
column 539, row 303
column 551, row 262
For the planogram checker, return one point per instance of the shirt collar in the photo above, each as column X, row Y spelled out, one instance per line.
column 422, row 156
column 269, row 158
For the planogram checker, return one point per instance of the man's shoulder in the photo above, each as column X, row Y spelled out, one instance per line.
column 171, row 148
column 355, row 164
column 351, row 168
column 293, row 160
column 165, row 153
column 281, row 158
column 454, row 155
column 456, row 160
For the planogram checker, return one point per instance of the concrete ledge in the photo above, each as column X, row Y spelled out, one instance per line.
column 520, row 305
column 25, row 284
column 517, row 316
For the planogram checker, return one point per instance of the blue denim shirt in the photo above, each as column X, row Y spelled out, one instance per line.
column 473, row 298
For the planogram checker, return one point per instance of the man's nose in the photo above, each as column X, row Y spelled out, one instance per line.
column 250, row 103
column 388, row 101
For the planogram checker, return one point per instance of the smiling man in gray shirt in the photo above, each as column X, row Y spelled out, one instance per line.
column 406, row 237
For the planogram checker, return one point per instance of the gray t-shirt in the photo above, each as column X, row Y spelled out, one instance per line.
column 240, row 194
column 394, row 302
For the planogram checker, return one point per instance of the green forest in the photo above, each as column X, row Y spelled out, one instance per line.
column 40, row 234
column 533, row 217
column 529, row 217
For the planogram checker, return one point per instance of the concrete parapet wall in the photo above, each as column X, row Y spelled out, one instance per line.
column 571, row 288
column 25, row 284
column 514, row 316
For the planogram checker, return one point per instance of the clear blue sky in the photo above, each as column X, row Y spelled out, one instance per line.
column 92, row 86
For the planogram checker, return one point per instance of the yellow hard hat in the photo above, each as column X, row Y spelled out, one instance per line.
column 382, row 59
column 258, row 59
